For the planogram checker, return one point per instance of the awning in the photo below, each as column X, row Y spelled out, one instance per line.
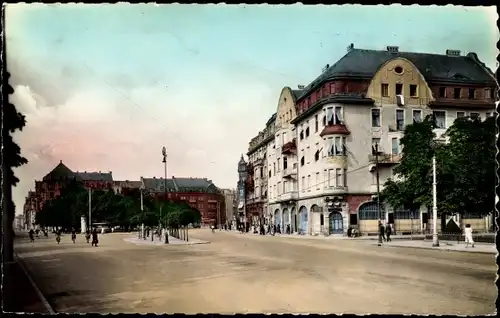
column 240, row 206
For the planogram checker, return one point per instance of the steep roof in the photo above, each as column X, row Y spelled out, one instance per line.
column 128, row 184
column 60, row 172
column 272, row 119
column 434, row 67
column 296, row 93
column 94, row 176
column 157, row 184
column 181, row 184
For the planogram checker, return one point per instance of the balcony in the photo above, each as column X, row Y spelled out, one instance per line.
column 288, row 196
column 290, row 148
column 333, row 190
column 385, row 159
column 338, row 129
column 290, row 172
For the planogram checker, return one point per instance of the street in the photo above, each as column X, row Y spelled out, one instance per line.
column 243, row 273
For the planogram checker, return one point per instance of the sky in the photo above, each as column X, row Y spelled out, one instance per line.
column 105, row 87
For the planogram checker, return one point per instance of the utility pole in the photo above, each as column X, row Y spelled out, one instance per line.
column 435, row 239
column 377, row 174
column 142, row 214
column 90, row 209
column 218, row 215
column 164, row 152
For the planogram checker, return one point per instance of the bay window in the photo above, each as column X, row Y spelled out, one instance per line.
column 333, row 116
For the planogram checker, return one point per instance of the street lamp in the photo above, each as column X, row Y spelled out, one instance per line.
column 142, row 234
column 435, row 239
column 164, row 153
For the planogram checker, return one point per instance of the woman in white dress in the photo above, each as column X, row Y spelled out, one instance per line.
column 468, row 236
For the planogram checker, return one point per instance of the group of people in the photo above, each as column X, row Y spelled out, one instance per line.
column 58, row 232
column 384, row 232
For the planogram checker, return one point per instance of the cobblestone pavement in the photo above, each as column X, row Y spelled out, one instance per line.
column 245, row 273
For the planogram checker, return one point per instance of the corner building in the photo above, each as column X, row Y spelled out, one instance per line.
column 329, row 129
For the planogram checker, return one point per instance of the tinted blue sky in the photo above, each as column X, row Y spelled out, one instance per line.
column 105, row 87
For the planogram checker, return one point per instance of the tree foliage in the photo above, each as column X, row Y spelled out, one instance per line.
column 465, row 167
column 114, row 209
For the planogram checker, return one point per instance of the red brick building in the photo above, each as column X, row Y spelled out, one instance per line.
column 200, row 193
column 51, row 185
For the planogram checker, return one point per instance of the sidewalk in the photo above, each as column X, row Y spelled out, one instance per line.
column 171, row 240
column 484, row 248
column 20, row 294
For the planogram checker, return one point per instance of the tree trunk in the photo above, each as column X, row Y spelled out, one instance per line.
column 7, row 218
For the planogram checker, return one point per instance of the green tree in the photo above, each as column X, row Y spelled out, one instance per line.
column 413, row 183
column 11, row 158
column 469, row 169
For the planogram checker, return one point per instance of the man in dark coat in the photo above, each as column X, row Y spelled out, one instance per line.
column 95, row 239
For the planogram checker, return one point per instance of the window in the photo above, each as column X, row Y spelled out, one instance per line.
column 301, row 135
column 457, row 92
column 329, row 116
column 487, row 93
column 284, row 139
column 285, row 187
column 399, row 89
column 308, row 153
column 460, row 114
column 338, row 115
column 439, row 118
column 302, row 160
column 331, row 177
column 261, row 172
column 375, row 117
column 279, row 188
column 307, row 132
column 309, row 183
column 324, row 121
column 475, row 115
column 270, row 175
column 413, row 91
column 417, row 116
column 345, row 177
column 303, row 184
column 285, row 163
column 400, row 119
column 472, row 93
column 316, row 155
column 317, row 181
column 442, row 92
column 395, row 146
column 370, row 211
column 274, row 168
column 340, row 146
column 385, row 90
column 338, row 178
column 375, row 144
column 279, row 166
column 316, row 124
column 330, row 146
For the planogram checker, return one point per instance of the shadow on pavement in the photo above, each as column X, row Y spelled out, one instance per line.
column 19, row 295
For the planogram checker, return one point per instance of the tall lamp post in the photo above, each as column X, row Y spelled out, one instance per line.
column 377, row 174
column 435, row 239
column 164, row 153
column 90, row 210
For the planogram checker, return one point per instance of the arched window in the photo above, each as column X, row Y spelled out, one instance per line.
column 369, row 211
column 406, row 213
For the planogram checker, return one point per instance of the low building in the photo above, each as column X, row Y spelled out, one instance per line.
column 200, row 193
column 126, row 187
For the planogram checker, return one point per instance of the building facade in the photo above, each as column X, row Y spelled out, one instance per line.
column 231, row 204
column 241, row 218
column 29, row 210
column 51, row 185
column 364, row 99
column 256, row 193
column 200, row 193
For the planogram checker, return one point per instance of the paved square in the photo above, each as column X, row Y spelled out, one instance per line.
column 244, row 273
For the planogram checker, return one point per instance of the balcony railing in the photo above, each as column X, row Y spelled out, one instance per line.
column 290, row 172
column 384, row 158
column 288, row 196
column 289, row 147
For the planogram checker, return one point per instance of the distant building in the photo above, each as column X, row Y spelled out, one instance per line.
column 29, row 210
column 231, row 204
column 19, row 223
column 126, row 187
column 242, row 187
column 51, row 185
column 200, row 193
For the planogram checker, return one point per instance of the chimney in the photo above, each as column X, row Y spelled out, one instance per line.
column 452, row 52
column 393, row 49
column 300, row 86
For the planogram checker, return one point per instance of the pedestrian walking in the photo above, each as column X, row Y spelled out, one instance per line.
column 381, row 233
column 468, row 236
column 58, row 236
column 388, row 232
column 32, row 236
column 73, row 236
column 95, row 238
column 87, row 236
column 37, row 233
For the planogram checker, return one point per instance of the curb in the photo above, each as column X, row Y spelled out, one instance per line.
column 439, row 249
column 35, row 287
